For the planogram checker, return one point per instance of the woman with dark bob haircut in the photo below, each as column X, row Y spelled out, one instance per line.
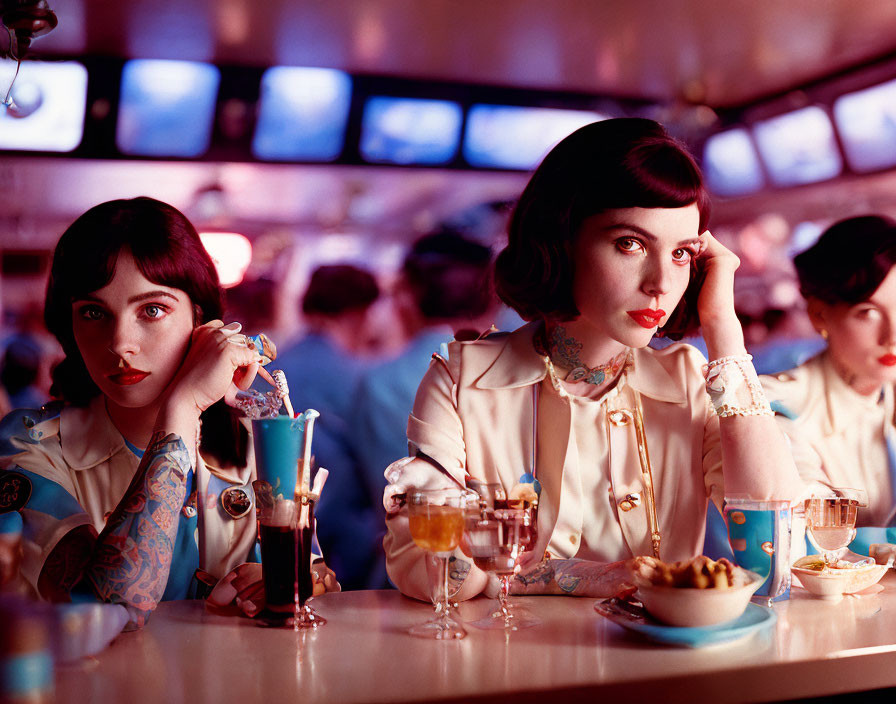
column 607, row 247
column 117, row 480
column 838, row 407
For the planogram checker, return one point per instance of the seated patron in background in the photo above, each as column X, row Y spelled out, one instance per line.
column 607, row 246
column 19, row 371
column 838, row 406
column 444, row 288
column 323, row 369
column 123, row 493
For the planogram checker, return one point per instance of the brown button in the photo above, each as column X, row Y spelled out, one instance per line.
column 573, row 539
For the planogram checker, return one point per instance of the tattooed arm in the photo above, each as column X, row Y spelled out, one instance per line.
column 132, row 559
column 573, row 577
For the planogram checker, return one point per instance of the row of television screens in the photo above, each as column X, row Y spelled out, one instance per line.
column 801, row 146
column 167, row 109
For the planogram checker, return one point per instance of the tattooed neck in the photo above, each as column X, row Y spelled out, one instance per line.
column 565, row 352
column 860, row 386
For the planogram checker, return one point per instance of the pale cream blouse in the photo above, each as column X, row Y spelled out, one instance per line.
column 838, row 435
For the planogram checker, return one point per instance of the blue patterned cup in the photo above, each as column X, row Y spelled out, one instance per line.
column 759, row 533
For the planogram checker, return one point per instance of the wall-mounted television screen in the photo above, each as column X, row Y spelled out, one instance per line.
column 866, row 121
column 410, row 130
column 799, row 147
column 167, row 108
column 514, row 137
column 731, row 163
column 49, row 101
column 302, row 114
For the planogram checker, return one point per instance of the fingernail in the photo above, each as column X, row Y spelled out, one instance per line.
column 233, row 326
column 249, row 607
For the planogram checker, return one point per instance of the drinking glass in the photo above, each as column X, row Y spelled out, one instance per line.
column 285, row 514
column 831, row 521
column 436, row 519
column 285, row 531
column 496, row 538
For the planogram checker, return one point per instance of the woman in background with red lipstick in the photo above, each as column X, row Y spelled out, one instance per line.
column 114, row 483
column 838, row 407
column 607, row 247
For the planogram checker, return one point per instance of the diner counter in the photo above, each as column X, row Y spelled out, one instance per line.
column 363, row 654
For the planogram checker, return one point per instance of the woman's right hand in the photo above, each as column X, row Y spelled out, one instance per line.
column 214, row 367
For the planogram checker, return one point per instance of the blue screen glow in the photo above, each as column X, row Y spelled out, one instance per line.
column 866, row 121
column 410, row 131
column 798, row 147
column 510, row 137
column 167, row 107
column 731, row 163
column 302, row 115
column 50, row 99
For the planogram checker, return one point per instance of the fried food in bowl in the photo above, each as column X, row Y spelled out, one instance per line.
column 695, row 592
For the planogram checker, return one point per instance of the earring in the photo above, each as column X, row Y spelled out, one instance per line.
column 824, row 333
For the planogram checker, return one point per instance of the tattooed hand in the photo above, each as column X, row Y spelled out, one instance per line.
column 574, row 577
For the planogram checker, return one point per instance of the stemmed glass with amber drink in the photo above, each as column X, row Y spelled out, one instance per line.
column 497, row 532
column 831, row 521
column 436, row 518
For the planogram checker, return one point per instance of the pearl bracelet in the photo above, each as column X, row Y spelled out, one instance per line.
column 734, row 388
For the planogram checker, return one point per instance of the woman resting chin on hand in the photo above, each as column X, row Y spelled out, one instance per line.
column 120, row 481
column 607, row 247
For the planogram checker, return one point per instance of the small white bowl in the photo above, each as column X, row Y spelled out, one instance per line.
column 688, row 606
column 833, row 584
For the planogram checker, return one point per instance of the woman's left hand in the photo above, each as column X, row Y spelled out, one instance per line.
column 242, row 589
column 239, row 591
column 715, row 303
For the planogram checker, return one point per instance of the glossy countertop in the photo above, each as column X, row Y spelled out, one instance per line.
column 363, row 654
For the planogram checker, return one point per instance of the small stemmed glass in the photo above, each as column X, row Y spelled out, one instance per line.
column 436, row 518
column 496, row 536
column 831, row 522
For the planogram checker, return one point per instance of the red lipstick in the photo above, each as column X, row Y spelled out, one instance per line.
column 128, row 377
column 647, row 318
column 888, row 360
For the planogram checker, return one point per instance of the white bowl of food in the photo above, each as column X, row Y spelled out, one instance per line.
column 832, row 582
column 696, row 592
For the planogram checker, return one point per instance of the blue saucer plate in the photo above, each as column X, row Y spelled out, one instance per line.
column 633, row 618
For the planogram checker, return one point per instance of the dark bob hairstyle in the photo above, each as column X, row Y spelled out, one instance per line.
column 618, row 163
column 167, row 250
column 849, row 261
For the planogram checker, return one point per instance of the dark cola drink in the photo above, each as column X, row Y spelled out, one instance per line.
column 282, row 550
column 278, row 563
